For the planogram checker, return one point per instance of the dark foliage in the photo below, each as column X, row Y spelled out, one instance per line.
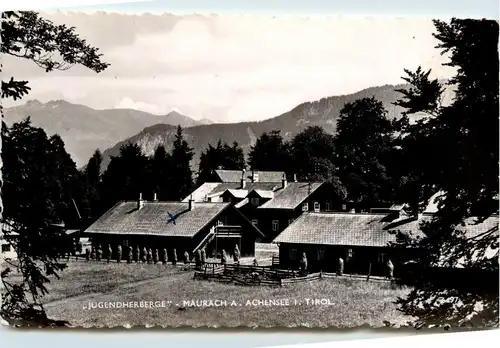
column 40, row 185
column 454, row 154
column 221, row 156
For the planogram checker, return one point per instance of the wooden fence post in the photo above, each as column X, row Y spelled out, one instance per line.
column 369, row 272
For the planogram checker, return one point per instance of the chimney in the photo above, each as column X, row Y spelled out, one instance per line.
column 255, row 176
column 191, row 203
column 352, row 211
column 243, row 179
column 155, row 198
column 294, row 177
column 140, row 202
column 283, row 181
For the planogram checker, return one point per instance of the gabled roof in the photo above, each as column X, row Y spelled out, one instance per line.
column 237, row 193
column 154, row 219
column 341, row 229
column 217, row 188
column 291, row 196
column 235, row 175
column 263, row 193
column 242, row 203
column 364, row 229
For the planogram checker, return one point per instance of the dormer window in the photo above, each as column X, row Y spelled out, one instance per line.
column 316, row 207
column 254, row 201
column 305, row 206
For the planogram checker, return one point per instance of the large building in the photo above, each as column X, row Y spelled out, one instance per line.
column 183, row 226
column 362, row 240
column 271, row 205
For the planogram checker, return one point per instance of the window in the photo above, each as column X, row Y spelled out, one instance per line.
column 316, row 207
column 381, row 258
column 5, row 248
column 321, row 253
column 293, row 253
column 225, row 221
column 344, row 207
column 255, row 223
column 254, row 201
column 349, row 253
column 219, row 223
column 328, row 206
column 125, row 242
column 290, row 221
column 276, row 225
column 305, row 206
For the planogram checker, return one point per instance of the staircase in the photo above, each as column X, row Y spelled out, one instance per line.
column 208, row 238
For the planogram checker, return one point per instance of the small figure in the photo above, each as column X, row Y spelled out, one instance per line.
column 92, row 253
column 236, row 254
column 390, row 269
column 109, row 254
column 99, row 253
column 255, row 263
column 150, row 255
column 186, row 257
column 144, row 255
column 223, row 259
column 137, row 255
column 340, row 269
column 197, row 258
column 155, row 256
column 174, row 257
column 87, row 254
column 130, row 256
column 303, row 264
column 119, row 253
column 203, row 256
column 164, row 257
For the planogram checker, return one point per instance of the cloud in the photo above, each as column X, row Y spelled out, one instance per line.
column 235, row 68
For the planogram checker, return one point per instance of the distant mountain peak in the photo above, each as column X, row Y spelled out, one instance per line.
column 33, row 102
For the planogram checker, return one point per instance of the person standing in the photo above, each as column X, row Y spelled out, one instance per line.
column 186, row 257
column 109, row 253
column 119, row 253
column 303, row 264
column 99, row 252
column 137, row 256
column 155, row 256
column 150, row 255
column 236, row 254
column 340, row 269
column 390, row 269
column 144, row 254
column 164, row 256
column 174, row 257
column 130, row 254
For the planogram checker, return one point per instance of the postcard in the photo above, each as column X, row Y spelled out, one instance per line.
column 249, row 171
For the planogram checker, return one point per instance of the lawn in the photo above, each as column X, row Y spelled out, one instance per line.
column 352, row 302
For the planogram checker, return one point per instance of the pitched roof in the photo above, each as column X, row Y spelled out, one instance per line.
column 235, row 175
column 291, row 196
column 217, row 188
column 264, row 193
column 242, row 203
column 362, row 229
column 237, row 193
column 153, row 218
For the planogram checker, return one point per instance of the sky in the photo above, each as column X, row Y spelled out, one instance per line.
column 230, row 67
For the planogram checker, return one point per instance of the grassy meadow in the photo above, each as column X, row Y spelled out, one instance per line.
column 352, row 302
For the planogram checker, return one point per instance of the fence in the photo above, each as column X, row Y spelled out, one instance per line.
column 266, row 275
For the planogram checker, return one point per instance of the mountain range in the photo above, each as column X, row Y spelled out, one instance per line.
column 84, row 129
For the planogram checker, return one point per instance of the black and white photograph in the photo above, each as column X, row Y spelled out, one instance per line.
column 249, row 171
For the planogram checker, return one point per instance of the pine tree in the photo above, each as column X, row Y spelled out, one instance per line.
column 181, row 175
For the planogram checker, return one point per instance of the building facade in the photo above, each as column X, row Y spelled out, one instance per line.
column 185, row 227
